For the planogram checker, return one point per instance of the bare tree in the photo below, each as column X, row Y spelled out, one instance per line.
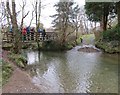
column 23, row 13
column 76, row 21
column 36, row 13
column 32, row 14
column 39, row 11
column 84, row 22
column 15, row 30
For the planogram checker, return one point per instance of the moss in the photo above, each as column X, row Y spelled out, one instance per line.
column 6, row 71
column 24, row 46
column 70, row 46
column 20, row 63
column 7, row 46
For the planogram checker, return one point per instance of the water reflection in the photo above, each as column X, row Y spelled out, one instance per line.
column 83, row 69
column 73, row 71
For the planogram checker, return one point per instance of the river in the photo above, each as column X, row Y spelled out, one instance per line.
column 73, row 71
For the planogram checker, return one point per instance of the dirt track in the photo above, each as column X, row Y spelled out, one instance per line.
column 19, row 82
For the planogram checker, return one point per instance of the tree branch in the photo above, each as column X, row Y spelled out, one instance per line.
column 23, row 20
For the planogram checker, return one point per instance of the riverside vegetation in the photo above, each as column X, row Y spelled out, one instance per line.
column 109, row 40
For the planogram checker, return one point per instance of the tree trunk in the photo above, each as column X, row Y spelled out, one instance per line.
column 118, row 12
column 38, row 20
column 36, row 13
column 104, row 22
column 76, row 35
column 105, row 16
column 16, row 33
column 64, row 28
column 39, row 11
column 63, row 37
column 15, row 30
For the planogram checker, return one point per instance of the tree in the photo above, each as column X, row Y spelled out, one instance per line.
column 118, row 12
column 15, row 30
column 99, row 12
column 66, row 15
column 3, row 13
column 38, row 14
column 75, row 20
column 23, row 14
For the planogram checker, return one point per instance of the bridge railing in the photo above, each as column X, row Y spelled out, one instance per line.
column 30, row 37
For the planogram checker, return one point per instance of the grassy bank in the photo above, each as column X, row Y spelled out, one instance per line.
column 18, row 59
column 6, row 68
column 88, row 38
column 108, row 47
column 109, row 40
column 6, row 71
column 52, row 45
column 0, row 74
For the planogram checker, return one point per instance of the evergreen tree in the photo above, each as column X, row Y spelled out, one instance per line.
column 62, row 20
column 118, row 12
column 99, row 12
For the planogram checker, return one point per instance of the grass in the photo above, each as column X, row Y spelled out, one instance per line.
column 6, row 68
column 88, row 38
column 6, row 71
column 0, row 74
column 20, row 60
column 7, row 46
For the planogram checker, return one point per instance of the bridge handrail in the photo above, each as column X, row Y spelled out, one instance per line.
column 31, row 36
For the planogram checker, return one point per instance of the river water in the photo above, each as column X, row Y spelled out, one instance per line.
column 73, row 71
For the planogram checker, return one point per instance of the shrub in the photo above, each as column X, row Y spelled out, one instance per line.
column 112, row 34
column 20, row 60
column 51, row 45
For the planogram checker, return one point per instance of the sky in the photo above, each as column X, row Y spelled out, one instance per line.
column 46, row 11
column 50, row 10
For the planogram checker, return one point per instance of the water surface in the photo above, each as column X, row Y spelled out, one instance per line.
column 73, row 71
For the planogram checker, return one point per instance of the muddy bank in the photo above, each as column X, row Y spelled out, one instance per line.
column 88, row 49
column 19, row 82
